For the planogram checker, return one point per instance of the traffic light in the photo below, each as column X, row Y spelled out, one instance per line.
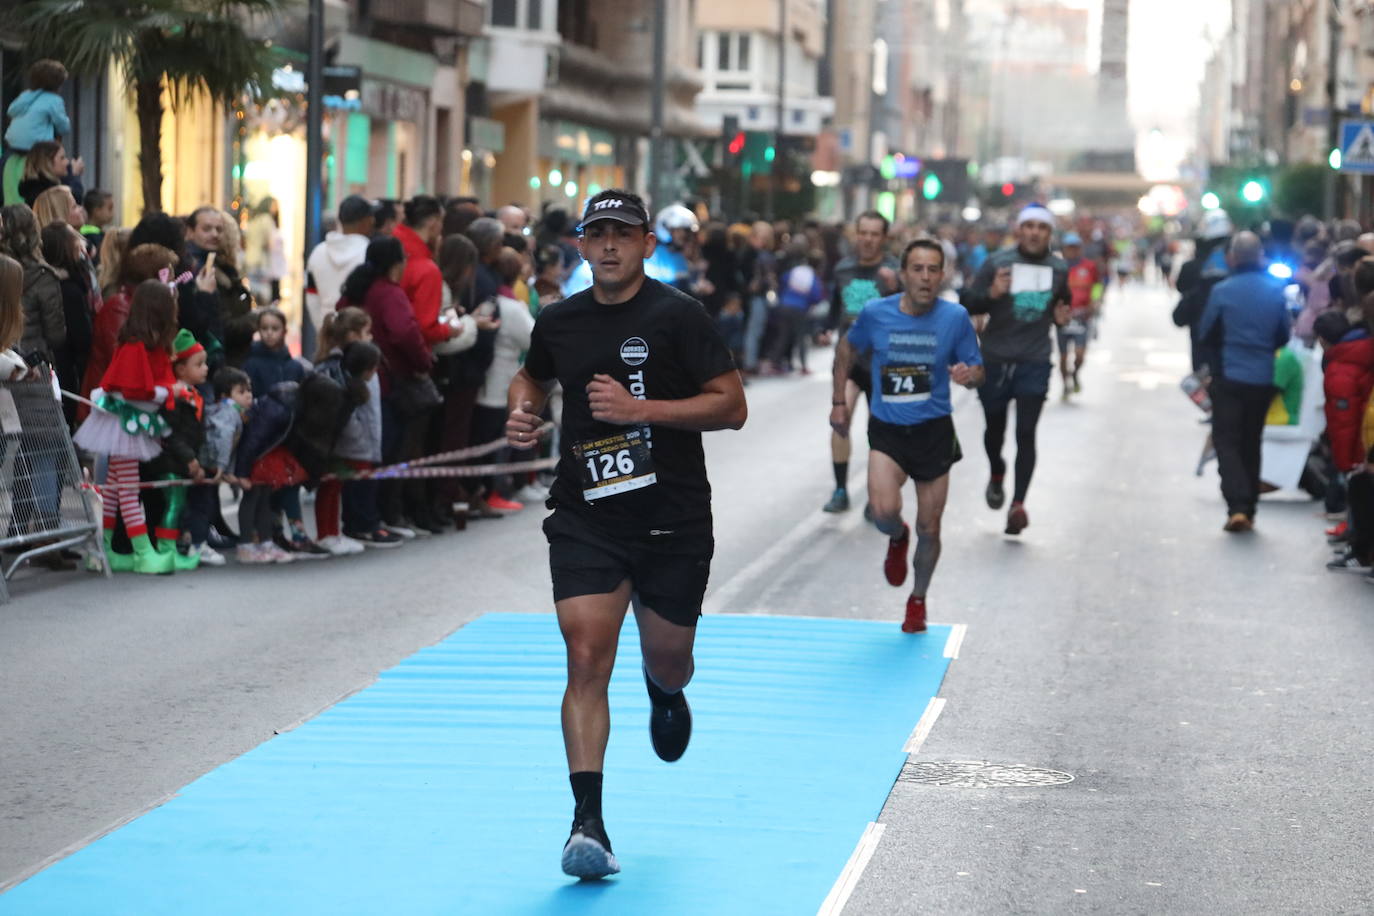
column 931, row 187
column 1252, row 192
column 1210, row 201
column 1008, row 189
column 736, row 145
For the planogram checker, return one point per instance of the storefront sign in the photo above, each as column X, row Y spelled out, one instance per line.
column 390, row 102
column 343, row 88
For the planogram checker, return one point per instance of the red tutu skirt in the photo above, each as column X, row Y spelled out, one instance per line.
column 279, row 468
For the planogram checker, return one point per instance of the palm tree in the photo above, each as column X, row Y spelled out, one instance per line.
column 179, row 45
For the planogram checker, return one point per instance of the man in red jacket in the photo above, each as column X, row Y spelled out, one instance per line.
column 422, row 282
column 1347, row 380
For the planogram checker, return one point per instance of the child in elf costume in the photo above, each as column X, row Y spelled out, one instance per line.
column 183, row 450
column 129, row 427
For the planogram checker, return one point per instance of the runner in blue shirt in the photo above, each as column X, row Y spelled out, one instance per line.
column 919, row 344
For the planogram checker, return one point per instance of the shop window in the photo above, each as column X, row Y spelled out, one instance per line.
column 503, row 13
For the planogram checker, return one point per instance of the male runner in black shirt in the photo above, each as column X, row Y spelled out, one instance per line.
column 644, row 372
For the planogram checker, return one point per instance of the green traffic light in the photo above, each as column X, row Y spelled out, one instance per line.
column 1210, row 201
column 769, row 154
column 1253, row 192
column 931, row 187
column 1334, row 160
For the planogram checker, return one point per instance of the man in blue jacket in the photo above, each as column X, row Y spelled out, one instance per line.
column 1246, row 320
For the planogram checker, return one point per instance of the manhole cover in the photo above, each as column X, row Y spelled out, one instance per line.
column 966, row 774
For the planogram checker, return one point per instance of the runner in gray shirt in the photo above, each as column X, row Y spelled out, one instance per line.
column 1024, row 291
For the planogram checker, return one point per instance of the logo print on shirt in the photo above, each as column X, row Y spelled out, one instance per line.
column 634, row 352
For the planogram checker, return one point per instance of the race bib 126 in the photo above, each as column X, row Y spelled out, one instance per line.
column 615, row 464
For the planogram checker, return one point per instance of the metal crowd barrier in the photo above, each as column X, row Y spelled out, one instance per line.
column 44, row 506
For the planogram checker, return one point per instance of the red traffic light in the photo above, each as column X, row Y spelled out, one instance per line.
column 1008, row 189
column 737, row 144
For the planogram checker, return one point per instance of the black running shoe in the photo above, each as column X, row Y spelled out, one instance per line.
column 587, row 854
column 670, row 726
column 994, row 494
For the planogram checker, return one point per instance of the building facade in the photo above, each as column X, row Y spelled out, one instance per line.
column 568, row 85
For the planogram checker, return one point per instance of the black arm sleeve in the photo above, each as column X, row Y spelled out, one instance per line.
column 975, row 296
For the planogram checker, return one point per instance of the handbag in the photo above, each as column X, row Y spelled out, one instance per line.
column 415, row 394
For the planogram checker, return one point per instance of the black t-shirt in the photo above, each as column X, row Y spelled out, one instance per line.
column 660, row 345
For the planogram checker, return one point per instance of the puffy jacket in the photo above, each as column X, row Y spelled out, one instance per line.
column 38, row 115
column 1246, row 319
column 359, row 435
column 223, row 428
column 423, row 284
column 320, row 402
column 394, row 331
column 1347, row 379
column 269, row 368
column 45, row 326
column 267, row 426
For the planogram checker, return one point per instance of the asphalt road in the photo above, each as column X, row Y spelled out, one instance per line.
column 1210, row 694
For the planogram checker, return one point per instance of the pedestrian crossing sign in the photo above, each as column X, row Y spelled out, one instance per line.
column 1357, row 147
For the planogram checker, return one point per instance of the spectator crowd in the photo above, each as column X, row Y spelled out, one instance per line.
column 1277, row 317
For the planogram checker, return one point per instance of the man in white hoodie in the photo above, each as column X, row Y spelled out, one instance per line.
column 331, row 262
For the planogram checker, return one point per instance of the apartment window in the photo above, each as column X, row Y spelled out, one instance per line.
column 741, row 52
column 503, row 13
column 723, row 51
column 701, row 52
column 536, row 15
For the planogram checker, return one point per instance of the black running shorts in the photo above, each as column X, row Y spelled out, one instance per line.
column 925, row 452
column 668, row 570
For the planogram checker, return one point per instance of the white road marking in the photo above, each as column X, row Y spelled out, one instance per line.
column 956, row 639
column 853, row 869
column 923, row 727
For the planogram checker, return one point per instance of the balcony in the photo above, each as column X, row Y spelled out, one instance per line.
column 444, row 17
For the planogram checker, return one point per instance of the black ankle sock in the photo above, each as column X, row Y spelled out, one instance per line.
column 842, row 475
column 586, row 788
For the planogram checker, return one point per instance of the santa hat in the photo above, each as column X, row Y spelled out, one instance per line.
column 185, row 346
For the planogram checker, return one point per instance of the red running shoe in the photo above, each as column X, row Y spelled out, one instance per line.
column 1338, row 533
column 894, row 567
column 915, row 621
column 1017, row 519
column 497, row 503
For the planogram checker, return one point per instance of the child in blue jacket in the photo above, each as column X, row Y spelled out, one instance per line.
column 38, row 114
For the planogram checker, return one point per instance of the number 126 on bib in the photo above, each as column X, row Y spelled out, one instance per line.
column 615, row 464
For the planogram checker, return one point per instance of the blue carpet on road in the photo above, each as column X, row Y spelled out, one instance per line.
column 442, row 788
